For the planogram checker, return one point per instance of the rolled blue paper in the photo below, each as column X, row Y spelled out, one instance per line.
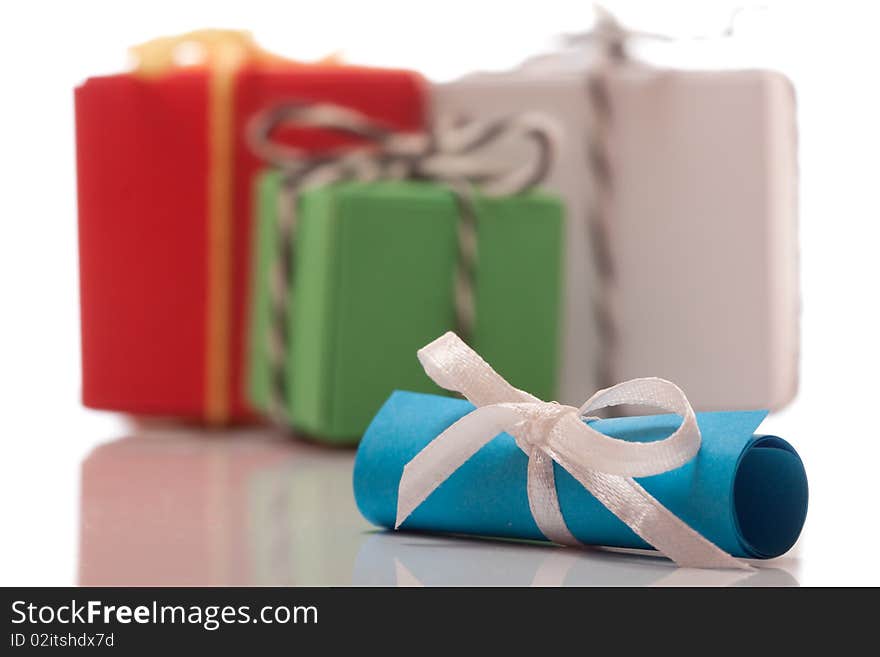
column 746, row 493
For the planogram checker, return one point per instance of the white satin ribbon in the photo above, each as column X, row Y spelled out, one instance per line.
column 547, row 432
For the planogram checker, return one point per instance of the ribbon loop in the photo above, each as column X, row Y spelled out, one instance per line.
column 626, row 458
column 548, row 432
column 453, row 365
column 445, row 154
column 326, row 116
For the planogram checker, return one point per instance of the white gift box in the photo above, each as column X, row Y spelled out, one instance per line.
column 562, row 97
column 700, row 222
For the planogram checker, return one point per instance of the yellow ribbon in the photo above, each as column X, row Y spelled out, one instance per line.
column 218, row 50
column 223, row 53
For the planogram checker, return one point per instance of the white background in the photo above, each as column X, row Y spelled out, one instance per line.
column 831, row 51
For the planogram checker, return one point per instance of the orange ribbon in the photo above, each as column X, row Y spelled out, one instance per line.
column 223, row 53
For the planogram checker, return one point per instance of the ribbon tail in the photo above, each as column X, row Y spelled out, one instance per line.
column 653, row 522
column 447, row 453
column 543, row 500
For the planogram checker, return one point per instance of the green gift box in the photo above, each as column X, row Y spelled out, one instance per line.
column 372, row 281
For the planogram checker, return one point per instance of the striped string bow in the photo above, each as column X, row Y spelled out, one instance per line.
column 452, row 152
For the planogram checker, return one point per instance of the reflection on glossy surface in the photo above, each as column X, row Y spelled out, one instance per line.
column 229, row 509
column 240, row 508
column 422, row 560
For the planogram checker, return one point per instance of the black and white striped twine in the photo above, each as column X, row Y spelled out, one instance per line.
column 609, row 39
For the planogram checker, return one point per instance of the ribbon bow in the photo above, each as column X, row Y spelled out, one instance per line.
column 215, row 49
column 445, row 154
column 548, row 432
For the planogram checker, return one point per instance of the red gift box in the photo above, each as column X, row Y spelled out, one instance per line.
column 165, row 214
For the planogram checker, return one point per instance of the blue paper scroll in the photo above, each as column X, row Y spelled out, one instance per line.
column 746, row 493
